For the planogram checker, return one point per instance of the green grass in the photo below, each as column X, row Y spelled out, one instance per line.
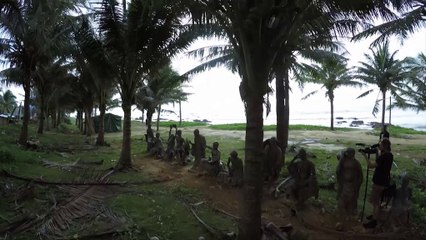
column 242, row 127
column 398, row 132
column 159, row 210
column 183, row 124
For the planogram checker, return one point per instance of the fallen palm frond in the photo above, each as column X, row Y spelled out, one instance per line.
column 104, row 182
column 219, row 234
column 84, row 205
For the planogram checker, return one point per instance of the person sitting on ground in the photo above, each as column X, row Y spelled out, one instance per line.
column 401, row 204
column 170, row 151
column 212, row 166
column 302, row 171
column 157, row 150
column 235, row 169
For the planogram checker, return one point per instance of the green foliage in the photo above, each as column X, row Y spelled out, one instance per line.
column 184, row 124
column 67, row 128
column 6, row 156
column 399, row 132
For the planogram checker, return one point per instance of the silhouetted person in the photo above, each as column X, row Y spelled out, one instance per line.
column 198, row 148
column 235, row 168
column 384, row 133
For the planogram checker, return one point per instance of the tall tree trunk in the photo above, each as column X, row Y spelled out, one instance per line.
column 125, row 161
column 284, row 145
column 158, row 117
column 383, row 107
column 89, row 120
column 100, row 141
column 332, row 113
column 250, row 209
column 280, row 98
column 149, row 114
column 42, row 116
column 180, row 113
column 23, row 137
column 390, row 110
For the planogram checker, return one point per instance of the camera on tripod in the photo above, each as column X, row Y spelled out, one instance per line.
column 369, row 149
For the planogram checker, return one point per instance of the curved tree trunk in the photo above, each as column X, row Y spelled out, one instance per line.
column 125, row 161
column 23, row 137
column 383, row 107
column 250, row 208
column 100, row 140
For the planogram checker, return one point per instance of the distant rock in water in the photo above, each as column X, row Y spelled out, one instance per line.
column 375, row 124
column 340, row 122
column 204, row 120
column 339, row 118
column 356, row 123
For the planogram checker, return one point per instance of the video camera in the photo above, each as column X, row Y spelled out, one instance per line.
column 368, row 149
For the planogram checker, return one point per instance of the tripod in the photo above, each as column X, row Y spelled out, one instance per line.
column 366, row 186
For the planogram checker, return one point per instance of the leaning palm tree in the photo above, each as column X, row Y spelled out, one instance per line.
column 139, row 41
column 331, row 73
column 7, row 101
column 382, row 69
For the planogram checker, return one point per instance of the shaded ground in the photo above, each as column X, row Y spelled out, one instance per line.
column 314, row 220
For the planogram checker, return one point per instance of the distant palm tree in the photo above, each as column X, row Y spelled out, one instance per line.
column 7, row 102
column 415, row 91
column 138, row 41
column 331, row 73
column 162, row 87
column 382, row 69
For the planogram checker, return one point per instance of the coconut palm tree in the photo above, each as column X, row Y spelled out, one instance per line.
column 414, row 92
column 331, row 73
column 410, row 17
column 382, row 69
column 162, row 87
column 23, row 45
column 7, row 101
column 256, row 29
column 139, row 41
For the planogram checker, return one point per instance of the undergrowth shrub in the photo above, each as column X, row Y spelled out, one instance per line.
column 6, row 156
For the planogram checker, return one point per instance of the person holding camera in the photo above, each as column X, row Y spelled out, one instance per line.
column 381, row 176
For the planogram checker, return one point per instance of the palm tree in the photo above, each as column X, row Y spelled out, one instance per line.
column 411, row 17
column 24, row 45
column 382, row 69
column 138, row 42
column 256, row 29
column 414, row 92
column 162, row 87
column 331, row 73
column 7, row 101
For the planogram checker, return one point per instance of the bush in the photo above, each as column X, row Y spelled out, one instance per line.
column 67, row 128
column 6, row 156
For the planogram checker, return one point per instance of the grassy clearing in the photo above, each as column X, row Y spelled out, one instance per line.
column 160, row 210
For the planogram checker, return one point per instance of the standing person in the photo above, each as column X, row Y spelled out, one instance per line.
column 180, row 147
column 273, row 161
column 235, row 168
column 384, row 133
column 349, row 180
column 381, row 177
column 198, row 148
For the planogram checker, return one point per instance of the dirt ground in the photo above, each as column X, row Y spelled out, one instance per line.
column 313, row 220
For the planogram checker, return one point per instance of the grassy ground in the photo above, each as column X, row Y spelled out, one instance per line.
column 161, row 209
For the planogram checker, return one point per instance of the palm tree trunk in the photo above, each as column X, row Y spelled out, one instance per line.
column 89, row 121
column 125, row 161
column 250, row 209
column 158, row 117
column 26, row 118
column 383, row 107
column 42, row 115
column 284, row 144
column 149, row 114
column 332, row 113
column 279, row 85
column 100, row 141
column 180, row 113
